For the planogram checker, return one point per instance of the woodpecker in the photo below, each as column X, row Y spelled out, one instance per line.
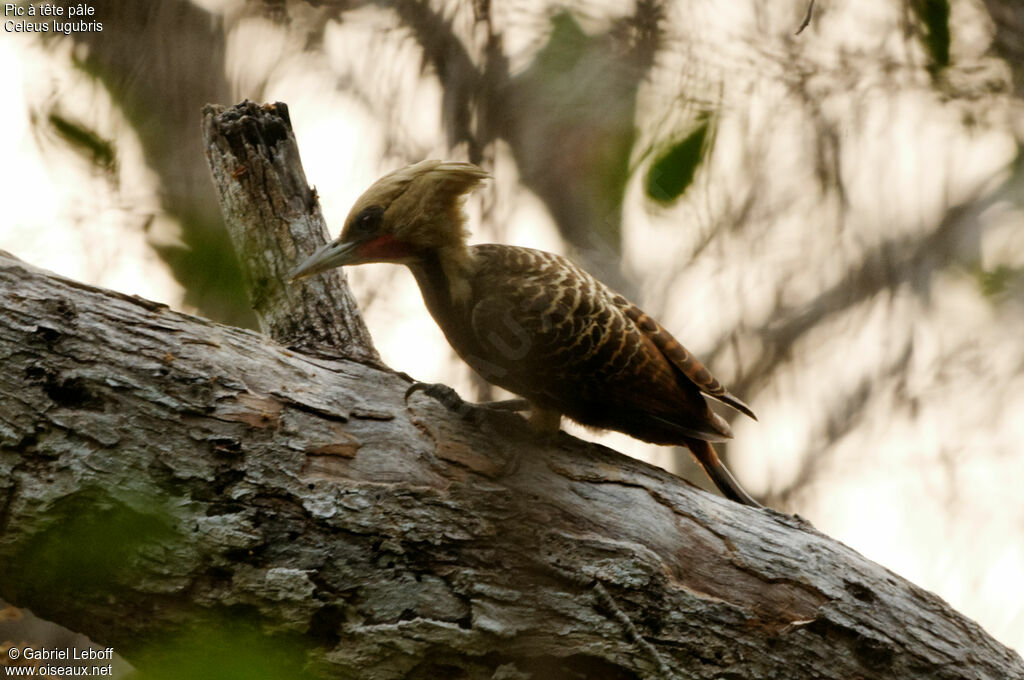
column 533, row 322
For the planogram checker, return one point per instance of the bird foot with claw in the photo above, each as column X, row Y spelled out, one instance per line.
column 451, row 400
column 448, row 397
column 475, row 413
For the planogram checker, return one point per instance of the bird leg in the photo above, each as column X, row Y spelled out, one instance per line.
column 516, row 405
column 475, row 413
column 451, row 400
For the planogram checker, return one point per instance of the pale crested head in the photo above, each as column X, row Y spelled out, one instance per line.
column 420, row 205
column 403, row 216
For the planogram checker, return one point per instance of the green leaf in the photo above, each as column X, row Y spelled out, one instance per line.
column 673, row 170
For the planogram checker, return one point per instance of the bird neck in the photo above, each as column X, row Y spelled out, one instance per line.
column 443, row 276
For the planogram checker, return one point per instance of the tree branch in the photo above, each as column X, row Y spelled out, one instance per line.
column 274, row 219
column 227, row 477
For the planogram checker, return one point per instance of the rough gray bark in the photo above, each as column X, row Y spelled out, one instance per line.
column 274, row 219
column 400, row 540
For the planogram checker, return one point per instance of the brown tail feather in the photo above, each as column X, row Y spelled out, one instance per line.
column 735, row 402
column 719, row 474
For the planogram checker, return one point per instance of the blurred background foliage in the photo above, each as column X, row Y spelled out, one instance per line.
column 231, row 647
column 831, row 220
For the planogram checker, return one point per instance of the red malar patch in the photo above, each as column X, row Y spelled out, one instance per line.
column 384, row 247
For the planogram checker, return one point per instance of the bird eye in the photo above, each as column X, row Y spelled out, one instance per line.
column 367, row 222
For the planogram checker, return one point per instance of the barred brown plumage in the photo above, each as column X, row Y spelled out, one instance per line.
column 533, row 322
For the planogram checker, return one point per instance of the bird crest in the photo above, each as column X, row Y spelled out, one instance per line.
column 422, row 204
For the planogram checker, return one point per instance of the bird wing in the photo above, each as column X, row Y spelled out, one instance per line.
column 692, row 369
column 548, row 331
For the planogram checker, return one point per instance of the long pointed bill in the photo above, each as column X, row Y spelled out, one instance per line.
column 328, row 256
